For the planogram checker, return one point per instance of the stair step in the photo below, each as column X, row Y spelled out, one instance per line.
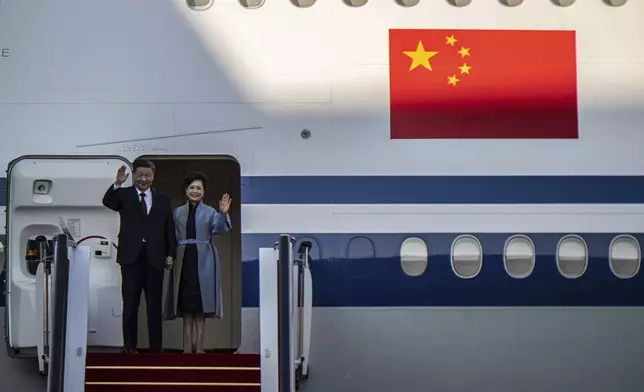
column 171, row 388
column 205, row 374
column 164, row 359
column 176, row 372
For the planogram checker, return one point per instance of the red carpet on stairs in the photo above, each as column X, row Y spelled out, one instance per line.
column 172, row 372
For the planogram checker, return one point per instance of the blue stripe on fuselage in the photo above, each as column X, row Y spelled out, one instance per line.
column 437, row 189
column 362, row 275
column 366, row 272
column 442, row 189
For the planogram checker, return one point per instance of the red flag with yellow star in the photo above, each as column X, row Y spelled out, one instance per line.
column 482, row 84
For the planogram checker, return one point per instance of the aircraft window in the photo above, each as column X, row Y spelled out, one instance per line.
column 467, row 256
column 407, row 3
column 199, row 5
column 563, row 3
column 572, row 256
column 519, row 256
column 459, row 3
column 355, row 3
column 624, row 256
column 511, row 3
column 361, row 247
column 413, row 256
column 615, row 3
column 251, row 3
column 303, row 3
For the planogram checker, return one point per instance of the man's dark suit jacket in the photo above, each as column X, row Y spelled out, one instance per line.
column 157, row 227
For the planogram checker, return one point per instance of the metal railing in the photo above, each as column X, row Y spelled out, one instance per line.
column 284, row 268
column 302, row 266
column 56, row 368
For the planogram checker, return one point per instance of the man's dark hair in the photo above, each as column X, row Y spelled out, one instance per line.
column 146, row 163
column 192, row 177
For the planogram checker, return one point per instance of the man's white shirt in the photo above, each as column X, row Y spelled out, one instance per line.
column 148, row 196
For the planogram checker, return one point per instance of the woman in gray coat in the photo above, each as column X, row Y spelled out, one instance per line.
column 196, row 273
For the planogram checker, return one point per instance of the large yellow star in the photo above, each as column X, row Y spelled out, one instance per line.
column 465, row 69
column 464, row 51
column 452, row 80
column 420, row 57
column 451, row 40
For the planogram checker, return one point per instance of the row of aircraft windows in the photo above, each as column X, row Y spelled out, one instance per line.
column 205, row 4
column 519, row 256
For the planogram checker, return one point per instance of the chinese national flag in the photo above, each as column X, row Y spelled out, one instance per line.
column 482, row 84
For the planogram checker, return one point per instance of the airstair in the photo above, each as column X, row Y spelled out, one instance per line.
column 285, row 331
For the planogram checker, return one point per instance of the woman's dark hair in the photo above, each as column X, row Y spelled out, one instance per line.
column 194, row 176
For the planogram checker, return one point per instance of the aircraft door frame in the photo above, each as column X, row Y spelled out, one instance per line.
column 27, row 351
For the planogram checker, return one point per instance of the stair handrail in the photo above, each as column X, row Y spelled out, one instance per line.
column 284, row 282
column 42, row 248
column 56, row 371
column 302, row 266
column 46, row 261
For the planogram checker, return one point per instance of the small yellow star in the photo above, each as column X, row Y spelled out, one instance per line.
column 465, row 69
column 452, row 80
column 451, row 40
column 420, row 57
column 464, row 51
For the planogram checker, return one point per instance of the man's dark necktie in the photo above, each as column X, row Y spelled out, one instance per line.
column 144, row 206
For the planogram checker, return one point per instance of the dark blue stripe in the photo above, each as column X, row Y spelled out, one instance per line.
column 367, row 272
column 437, row 189
column 364, row 271
column 442, row 189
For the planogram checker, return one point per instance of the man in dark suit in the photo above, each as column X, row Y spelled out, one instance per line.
column 147, row 245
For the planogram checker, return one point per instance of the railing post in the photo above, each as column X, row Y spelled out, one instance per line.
column 42, row 252
column 303, row 265
column 284, row 268
column 55, row 380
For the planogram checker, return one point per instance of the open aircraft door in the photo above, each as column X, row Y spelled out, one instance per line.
column 44, row 192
